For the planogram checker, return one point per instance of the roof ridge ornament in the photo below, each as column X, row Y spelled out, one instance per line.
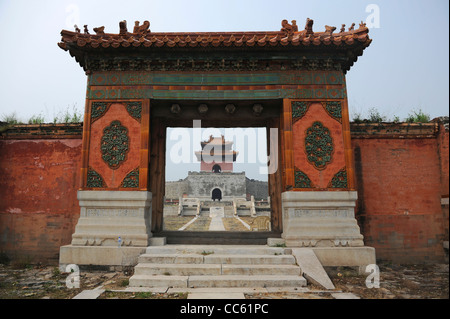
column 143, row 29
column 100, row 31
column 123, row 28
column 309, row 26
column 329, row 30
column 287, row 28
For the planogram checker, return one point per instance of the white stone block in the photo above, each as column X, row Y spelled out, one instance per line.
column 157, row 241
column 99, row 255
column 113, row 218
column 320, row 218
column 275, row 242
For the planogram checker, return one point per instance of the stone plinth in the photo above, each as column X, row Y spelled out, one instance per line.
column 105, row 217
column 320, row 219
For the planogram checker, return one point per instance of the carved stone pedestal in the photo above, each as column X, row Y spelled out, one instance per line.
column 325, row 222
column 113, row 229
column 320, row 219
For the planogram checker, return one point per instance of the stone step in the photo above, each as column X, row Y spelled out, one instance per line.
column 217, row 281
column 218, row 249
column 238, row 259
column 250, row 259
column 246, row 281
column 187, row 266
column 214, row 269
column 177, row 269
column 258, row 270
column 171, row 258
column 158, row 281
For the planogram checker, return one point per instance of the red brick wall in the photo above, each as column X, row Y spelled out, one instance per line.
column 399, row 188
column 443, row 148
column 38, row 196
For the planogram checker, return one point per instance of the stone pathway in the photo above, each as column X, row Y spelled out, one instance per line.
column 216, row 214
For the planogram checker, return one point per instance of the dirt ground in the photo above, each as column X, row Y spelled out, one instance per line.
column 429, row 281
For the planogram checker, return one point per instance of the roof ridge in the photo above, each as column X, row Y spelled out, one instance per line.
column 288, row 34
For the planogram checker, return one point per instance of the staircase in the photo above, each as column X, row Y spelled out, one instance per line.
column 205, row 266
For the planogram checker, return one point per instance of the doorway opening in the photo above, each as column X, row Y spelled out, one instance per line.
column 216, row 194
column 216, row 171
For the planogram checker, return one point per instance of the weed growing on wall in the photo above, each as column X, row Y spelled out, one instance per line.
column 417, row 117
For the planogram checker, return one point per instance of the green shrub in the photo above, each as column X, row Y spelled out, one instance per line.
column 11, row 118
column 418, row 117
column 375, row 116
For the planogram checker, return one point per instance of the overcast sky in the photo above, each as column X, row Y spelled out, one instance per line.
column 405, row 68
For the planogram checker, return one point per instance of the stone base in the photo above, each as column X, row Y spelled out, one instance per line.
column 86, row 256
column 158, row 241
column 320, row 219
column 114, row 228
column 107, row 215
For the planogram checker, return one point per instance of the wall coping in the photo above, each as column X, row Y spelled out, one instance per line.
column 358, row 130
column 41, row 131
column 394, row 130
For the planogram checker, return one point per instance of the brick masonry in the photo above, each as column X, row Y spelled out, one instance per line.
column 401, row 175
column 38, row 200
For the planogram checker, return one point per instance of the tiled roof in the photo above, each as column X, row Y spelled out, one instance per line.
column 143, row 49
column 284, row 37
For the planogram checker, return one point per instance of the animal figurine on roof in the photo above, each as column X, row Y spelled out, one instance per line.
column 329, row 29
column 136, row 27
column 123, row 27
column 143, row 29
column 100, row 30
column 308, row 26
column 286, row 28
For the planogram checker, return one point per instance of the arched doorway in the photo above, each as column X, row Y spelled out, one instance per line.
column 216, row 194
column 217, row 169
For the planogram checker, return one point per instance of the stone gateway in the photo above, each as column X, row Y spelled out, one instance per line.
column 141, row 83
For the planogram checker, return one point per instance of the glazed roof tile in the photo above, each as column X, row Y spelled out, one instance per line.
column 71, row 39
column 261, row 48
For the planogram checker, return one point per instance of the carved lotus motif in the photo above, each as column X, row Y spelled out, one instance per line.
column 114, row 144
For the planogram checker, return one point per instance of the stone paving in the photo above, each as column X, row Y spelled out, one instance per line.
column 203, row 223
